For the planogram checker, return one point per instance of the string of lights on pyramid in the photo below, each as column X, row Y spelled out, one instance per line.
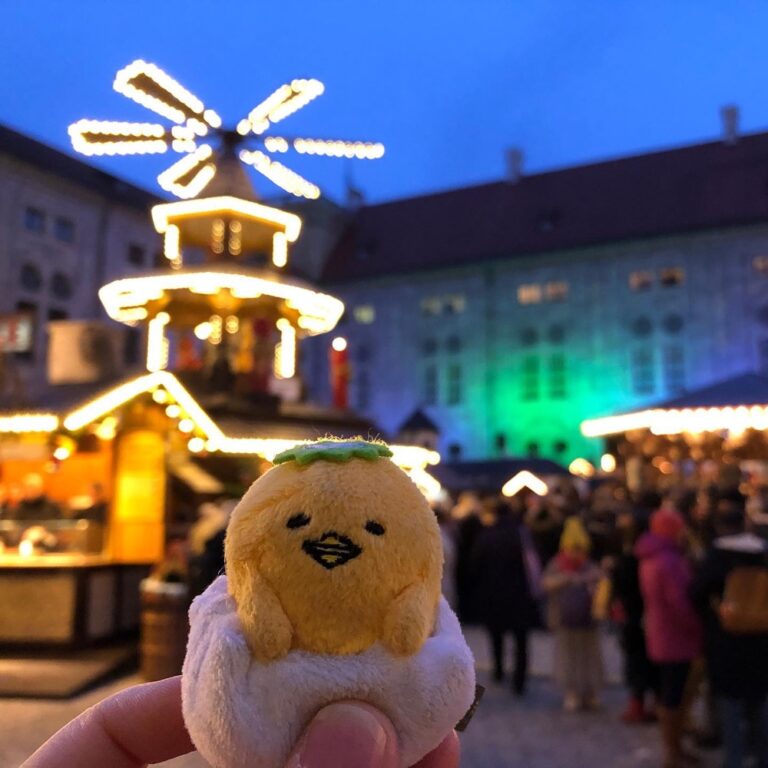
column 198, row 133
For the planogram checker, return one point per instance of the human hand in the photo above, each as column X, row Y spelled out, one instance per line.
column 144, row 724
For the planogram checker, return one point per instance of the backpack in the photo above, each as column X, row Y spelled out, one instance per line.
column 744, row 607
column 575, row 606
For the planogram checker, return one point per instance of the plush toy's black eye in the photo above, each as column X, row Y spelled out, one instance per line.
column 377, row 529
column 298, row 521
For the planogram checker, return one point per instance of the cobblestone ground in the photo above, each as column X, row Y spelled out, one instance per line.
column 531, row 732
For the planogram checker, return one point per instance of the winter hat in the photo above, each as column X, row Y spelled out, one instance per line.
column 667, row 524
column 574, row 538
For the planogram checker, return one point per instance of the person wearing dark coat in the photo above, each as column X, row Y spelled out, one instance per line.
column 502, row 568
column 737, row 663
column 640, row 673
column 469, row 525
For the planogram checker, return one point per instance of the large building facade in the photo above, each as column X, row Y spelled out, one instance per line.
column 66, row 228
column 509, row 313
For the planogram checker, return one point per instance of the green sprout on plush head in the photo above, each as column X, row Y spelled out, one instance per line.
column 334, row 450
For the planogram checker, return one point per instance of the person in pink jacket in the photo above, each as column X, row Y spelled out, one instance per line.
column 672, row 628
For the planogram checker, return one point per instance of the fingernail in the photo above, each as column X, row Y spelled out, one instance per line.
column 346, row 736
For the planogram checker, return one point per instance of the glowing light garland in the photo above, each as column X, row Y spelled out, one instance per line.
column 661, row 421
column 226, row 205
column 284, row 101
column 524, row 479
column 279, row 249
column 362, row 150
column 193, row 167
column 409, row 457
column 157, row 344
column 285, row 350
column 284, row 177
column 153, row 88
column 107, row 137
column 29, row 422
column 126, row 83
column 319, row 312
column 426, row 483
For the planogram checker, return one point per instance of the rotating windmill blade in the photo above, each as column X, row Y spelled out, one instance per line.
column 151, row 87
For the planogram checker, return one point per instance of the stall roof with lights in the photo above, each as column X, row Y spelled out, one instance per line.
column 737, row 403
column 490, row 476
column 218, row 435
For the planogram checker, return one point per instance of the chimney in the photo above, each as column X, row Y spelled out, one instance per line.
column 729, row 114
column 354, row 198
column 514, row 157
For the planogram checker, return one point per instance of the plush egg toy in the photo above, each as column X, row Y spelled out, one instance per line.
column 332, row 592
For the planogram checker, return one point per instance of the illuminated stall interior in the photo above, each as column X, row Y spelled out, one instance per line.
column 717, row 430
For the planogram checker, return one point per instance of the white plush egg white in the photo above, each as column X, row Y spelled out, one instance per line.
column 242, row 713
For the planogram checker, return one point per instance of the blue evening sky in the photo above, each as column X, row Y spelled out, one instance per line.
column 447, row 86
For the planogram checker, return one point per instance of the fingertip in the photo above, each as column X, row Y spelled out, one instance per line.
column 446, row 755
column 347, row 734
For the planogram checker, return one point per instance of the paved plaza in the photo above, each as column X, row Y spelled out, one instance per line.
column 531, row 732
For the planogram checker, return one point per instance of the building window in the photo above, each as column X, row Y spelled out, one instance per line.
column 642, row 280
column 61, row 286
column 431, row 306
column 673, row 323
column 557, row 291
column 529, row 337
column 454, row 305
column 29, row 308
column 64, row 229
column 642, row 327
column 454, row 451
column 557, row 384
column 363, row 390
column 500, row 443
column 530, row 293
column 34, row 219
column 30, row 277
column 430, row 385
column 454, row 384
column 674, row 369
column 532, row 449
column 365, row 314
column 760, row 265
column 429, row 346
column 671, row 277
column 136, row 254
column 559, row 447
column 58, row 314
column 453, row 344
column 530, row 388
column 642, row 371
column 556, row 334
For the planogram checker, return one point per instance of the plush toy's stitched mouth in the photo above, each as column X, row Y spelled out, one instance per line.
column 331, row 549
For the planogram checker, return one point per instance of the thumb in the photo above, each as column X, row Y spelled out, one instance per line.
column 347, row 734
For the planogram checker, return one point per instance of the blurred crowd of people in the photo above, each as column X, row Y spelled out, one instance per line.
column 680, row 576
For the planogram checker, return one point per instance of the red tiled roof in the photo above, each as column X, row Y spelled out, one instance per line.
column 705, row 186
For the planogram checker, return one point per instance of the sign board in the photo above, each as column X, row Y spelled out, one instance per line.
column 17, row 332
column 81, row 351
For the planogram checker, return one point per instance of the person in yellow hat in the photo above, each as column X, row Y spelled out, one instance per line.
column 570, row 581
